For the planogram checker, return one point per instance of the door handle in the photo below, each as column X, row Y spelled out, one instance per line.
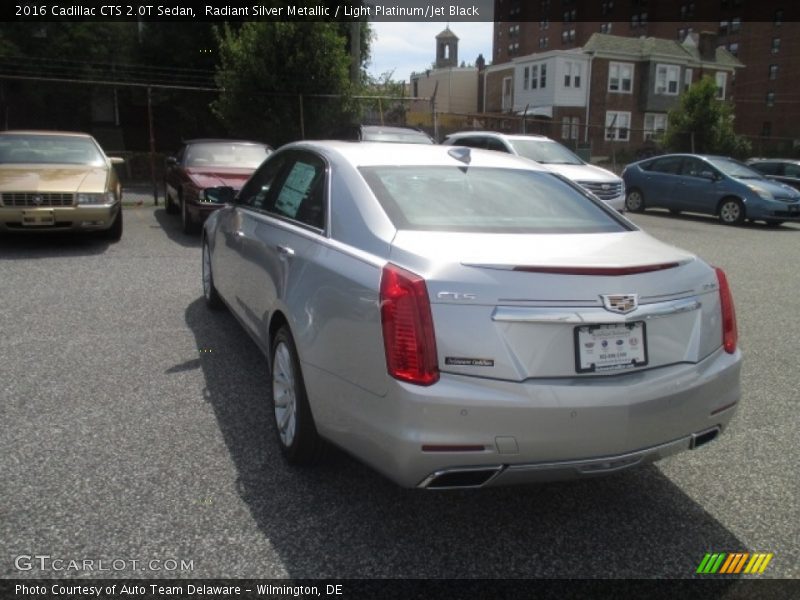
column 285, row 251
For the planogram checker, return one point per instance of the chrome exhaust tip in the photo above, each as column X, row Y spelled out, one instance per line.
column 703, row 437
column 461, row 478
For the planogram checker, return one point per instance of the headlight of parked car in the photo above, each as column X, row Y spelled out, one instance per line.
column 104, row 198
column 761, row 192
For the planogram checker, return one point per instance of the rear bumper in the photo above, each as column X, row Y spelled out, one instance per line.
column 75, row 218
column 543, row 429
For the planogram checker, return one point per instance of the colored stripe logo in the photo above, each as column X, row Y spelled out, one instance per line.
column 721, row 563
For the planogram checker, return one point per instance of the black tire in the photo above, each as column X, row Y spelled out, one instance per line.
column 294, row 424
column 774, row 224
column 114, row 233
column 731, row 211
column 210, row 293
column 169, row 205
column 188, row 226
column 634, row 200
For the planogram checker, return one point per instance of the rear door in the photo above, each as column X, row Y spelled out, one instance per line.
column 698, row 189
column 662, row 177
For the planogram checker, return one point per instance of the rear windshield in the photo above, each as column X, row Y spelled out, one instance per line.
column 486, row 200
column 410, row 137
column 49, row 149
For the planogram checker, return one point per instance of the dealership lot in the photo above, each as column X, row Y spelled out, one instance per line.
column 135, row 428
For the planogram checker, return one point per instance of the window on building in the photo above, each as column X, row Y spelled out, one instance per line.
column 655, row 124
column 605, row 27
column 776, row 45
column 508, row 93
column 568, row 74
column 618, row 124
column 544, row 24
column 543, row 75
column 534, row 77
column 724, row 27
column 733, row 48
column 570, row 128
column 770, row 98
column 543, row 42
column 773, row 72
column 778, row 18
column 720, row 79
column 607, row 6
column 526, row 78
column 667, row 77
column 687, row 10
column 766, row 129
column 736, row 24
column 687, row 79
column 620, row 77
column 639, row 19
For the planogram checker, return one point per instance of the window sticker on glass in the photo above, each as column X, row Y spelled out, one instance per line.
column 295, row 189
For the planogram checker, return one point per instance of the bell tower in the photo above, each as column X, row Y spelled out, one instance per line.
column 446, row 49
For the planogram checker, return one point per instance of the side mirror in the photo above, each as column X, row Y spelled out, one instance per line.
column 116, row 160
column 172, row 161
column 219, row 195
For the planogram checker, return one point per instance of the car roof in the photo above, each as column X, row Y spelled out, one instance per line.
column 45, row 132
column 509, row 136
column 362, row 154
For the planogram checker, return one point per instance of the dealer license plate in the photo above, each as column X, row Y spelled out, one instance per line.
column 614, row 347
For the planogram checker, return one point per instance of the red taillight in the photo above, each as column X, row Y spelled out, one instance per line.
column 730, row 333
column 408, row 327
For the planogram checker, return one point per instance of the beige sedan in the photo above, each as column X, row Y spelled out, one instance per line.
column 53, row 180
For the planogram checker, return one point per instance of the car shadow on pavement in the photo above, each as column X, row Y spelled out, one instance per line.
column 171, row 224
column 22, row 246
column 340, row 519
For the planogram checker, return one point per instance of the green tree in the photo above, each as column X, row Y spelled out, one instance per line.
column 704, row 124
column 273, row 76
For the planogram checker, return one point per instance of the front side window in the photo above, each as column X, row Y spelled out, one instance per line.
column 255, row 192
column 667, row 77
column 620, row 77
column 485, row 200
column 618, row 125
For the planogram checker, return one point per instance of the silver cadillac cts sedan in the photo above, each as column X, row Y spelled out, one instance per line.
column 463, row 318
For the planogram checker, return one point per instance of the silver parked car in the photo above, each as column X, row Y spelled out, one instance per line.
column 464, row 318
column 541, row 149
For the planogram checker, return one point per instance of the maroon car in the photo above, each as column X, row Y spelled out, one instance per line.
column 202, row 166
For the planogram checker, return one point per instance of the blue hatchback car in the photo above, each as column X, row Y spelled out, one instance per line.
column 714, row 185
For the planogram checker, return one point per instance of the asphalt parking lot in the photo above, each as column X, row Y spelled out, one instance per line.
column 135, row 428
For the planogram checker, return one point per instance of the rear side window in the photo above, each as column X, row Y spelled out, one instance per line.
column 768, row 168
column 301, row 195
column 486, row 200
column 791, row 170
column 670, row 165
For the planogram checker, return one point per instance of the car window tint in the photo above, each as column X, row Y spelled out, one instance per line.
column 485, row 200
column 768, row 168
column 669, row 164
column 255, row 193
column 471, row 142
column 301, row 196
column 496, row 145
column 791, row 170
column 694, row 167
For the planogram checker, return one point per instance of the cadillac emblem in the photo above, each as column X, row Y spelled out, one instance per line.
column 37, row 200
column 620, row 303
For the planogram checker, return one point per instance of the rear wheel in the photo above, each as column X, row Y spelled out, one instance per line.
column 297, row 435
column 731, row 212
column 634, row 200
column 212, row 298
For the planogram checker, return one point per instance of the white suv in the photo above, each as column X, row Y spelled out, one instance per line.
column 602, row 183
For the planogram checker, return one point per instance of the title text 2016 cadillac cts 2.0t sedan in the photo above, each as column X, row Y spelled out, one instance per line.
column 463, row 318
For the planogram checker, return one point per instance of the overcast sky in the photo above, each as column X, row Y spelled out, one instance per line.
column 405, row 47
